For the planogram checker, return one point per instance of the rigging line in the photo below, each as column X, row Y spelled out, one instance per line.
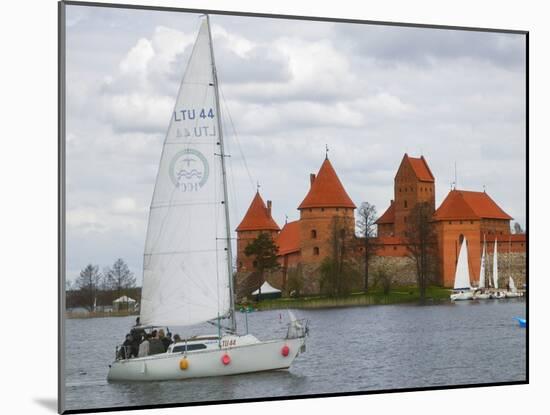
column 236, row 137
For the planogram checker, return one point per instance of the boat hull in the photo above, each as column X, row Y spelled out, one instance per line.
column 466, row 295
column 256, row 357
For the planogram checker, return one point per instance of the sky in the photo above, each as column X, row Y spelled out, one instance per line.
column 289, row 88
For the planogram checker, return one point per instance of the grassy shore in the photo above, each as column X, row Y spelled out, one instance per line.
column 374, row 297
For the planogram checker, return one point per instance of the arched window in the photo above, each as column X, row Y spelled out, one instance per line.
column 315, row 250
column 405, row 203
column 313, row 234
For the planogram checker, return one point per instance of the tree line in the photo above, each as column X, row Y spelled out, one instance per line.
column 94, row 288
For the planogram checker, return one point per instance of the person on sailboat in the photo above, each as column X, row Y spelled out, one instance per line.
column 165, row 339
column 155, row 344
column 125, row 351
column 144, row 346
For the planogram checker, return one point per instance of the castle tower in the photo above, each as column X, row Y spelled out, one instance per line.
column 413, row 183
column 326, row 200
column 256, row 220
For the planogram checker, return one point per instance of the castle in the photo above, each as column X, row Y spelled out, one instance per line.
column 306, row 241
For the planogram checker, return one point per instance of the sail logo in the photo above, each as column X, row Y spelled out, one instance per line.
column 189, row 170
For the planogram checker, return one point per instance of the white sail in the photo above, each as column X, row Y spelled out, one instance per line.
column 462, row 275
column 482, row 268
column 185, row 269
column 495, row 266
column 512, row 285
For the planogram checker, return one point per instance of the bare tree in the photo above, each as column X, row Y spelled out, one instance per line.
column 119, row 277
column 87, row 285
column 295, row 281
column 338, row 275
column 384, row 272
column 422, row 244
column 366, row 227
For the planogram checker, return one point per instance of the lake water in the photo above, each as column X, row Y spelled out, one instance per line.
column 349, row 349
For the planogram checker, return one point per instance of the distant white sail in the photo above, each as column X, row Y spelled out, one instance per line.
column 495, row 266
column 512, row 285
column 185, row 272
column 482, row 268
column 462, row 275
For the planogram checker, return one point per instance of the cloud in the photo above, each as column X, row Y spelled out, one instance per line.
column 371, row 93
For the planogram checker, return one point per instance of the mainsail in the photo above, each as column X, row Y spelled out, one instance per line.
column 495, row 266
column 186, row 278
column 462, row 276
column 482, row 268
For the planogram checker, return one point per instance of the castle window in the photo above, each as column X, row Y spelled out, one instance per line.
column 395, row 248
column 313, row 234
column 337, row 209
column 450, row 222
column 471, row 222
column 405, row 203
column 315, row 250
column 322, row 209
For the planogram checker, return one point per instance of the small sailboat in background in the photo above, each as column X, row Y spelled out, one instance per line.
column 496, row 294
column 512, row 290
column 480, row 293
column 462, row 289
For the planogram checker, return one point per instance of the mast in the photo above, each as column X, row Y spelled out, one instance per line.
column 224, row 181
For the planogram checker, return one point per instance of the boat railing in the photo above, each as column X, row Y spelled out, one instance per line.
column 297, row 328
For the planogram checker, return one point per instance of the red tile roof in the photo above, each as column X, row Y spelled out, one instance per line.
column 326, row 190
column 420, row 168
column 388, row 216
column 462, row 204
column 257, row 217
column 288, row 240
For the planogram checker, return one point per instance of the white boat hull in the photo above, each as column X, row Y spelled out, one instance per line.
column 465, row 295
column 511, row 294
column 482, row 296
column 255, row 357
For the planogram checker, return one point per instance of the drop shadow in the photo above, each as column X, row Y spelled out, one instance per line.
column 48, row 403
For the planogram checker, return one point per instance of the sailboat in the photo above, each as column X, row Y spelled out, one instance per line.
column 187, row 269
column 512, row 290
column 480, row 293
column 496, row 294
column 462, row 288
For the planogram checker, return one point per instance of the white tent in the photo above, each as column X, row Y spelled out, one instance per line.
column 124, row 299
column 123, row 303
column 267, row 291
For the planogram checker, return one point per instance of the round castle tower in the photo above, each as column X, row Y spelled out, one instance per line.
column 326, row 205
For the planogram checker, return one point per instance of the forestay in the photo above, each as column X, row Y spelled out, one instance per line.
column 462, row 276
column 185, row 271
